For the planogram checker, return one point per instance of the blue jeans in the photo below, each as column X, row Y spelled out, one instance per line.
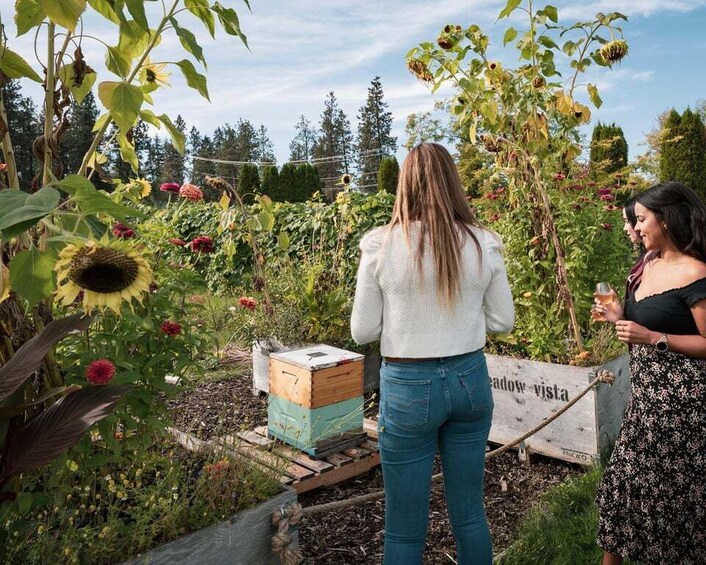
column 447, row 404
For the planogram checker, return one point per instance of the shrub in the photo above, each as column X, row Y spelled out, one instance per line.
column 388, row 174
column 683, row 150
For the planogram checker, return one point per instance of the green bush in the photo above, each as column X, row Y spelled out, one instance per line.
column 683, row 150
column 609, row 149
column 248, row 183
column 388, row 174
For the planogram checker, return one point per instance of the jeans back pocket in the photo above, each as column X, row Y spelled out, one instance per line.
column 406, row 401
column 476, row 382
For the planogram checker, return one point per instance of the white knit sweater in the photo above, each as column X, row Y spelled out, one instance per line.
column 401, row 309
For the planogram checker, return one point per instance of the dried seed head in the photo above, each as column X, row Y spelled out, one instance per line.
column 614, row 51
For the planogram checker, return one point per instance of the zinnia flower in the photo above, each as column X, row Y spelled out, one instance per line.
column 170, row 328
column 108, row 273
column 177, row 241
column 122, row 231
column 247, row 302
column 611, row 208
column 607, row 227
column 100, row 371
column 607, row 197
column 191, row 192
column 202, row 244
column 169, row 187
column 558, row 176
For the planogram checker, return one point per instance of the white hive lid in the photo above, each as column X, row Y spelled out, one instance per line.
column 315, row 357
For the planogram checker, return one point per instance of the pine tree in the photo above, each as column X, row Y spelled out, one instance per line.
column 77, row 138
column 174, row 167
column 609, row 149
column 374, row 138
column 303, row 145
column 248, row 183
column 24, row 126
column 287, row 183
column 264, row 152
column 270, row 182
column 388, row 174
column 154, row 160
column 683, row 150
column 334, row 146
column 313, row 181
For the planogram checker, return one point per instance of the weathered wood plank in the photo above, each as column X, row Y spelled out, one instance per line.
column 338, row 460
column 356, row 452
column 255, row 439
column 371, row 428
column 301, row 458
column 339, row 474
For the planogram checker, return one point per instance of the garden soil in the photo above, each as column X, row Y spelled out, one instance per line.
column 354, row 535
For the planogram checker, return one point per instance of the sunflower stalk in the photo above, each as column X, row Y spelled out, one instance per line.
column 153, row 42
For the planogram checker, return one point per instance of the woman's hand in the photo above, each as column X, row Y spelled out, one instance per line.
column 607, row 312
column 631, row 332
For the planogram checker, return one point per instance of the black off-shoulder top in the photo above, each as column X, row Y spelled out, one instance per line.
column 669, row 311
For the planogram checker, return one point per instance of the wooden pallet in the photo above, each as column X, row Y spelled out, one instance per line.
column 298, row 469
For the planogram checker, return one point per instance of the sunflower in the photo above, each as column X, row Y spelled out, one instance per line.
column 154, row 73
column 107, row 272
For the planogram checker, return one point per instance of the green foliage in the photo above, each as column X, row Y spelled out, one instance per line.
column 528, row 117
column 96, row 508
column 287, row 184
column 388, row 174
column 475, row 167
column 248, row 182
column 270, row 181
column 609, row 149
column 683, row 150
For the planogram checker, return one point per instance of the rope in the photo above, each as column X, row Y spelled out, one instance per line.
column 602, row 376
column 282, row 519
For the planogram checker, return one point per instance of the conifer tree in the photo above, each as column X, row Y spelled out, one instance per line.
column 287, row 183
column 609, row 149
column 264, row 150
column 78, row 136
column 388, row 174
column 270, row 182
column 333, row 152
column 302, row 147
column 248, row 183
column 173, row 167
column 683, row 150
column 374, row 134
column 24, row 123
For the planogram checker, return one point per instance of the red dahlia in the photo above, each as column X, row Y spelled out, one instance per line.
column 170, row 328
column 202, row 244
column 247, row 302
column 100, row 371
column 169, row 187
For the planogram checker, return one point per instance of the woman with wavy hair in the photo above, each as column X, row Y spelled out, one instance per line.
column 652, row 500
column 430, row 285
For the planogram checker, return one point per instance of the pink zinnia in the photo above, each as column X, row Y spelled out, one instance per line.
column 170, row 328
column 558, row 176
column 169, row 187
column 122, row 231
column 202, row 244
column 100, row 371
column 607, row 227
column 177, row 241
column 191, row 192
column 607, row 197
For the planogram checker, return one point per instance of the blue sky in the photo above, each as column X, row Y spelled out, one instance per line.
column 302, row 49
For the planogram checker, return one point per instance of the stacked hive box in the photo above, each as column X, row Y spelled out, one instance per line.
column 315, row 399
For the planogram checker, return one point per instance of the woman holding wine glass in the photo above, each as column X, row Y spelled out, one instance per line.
column 652, row 500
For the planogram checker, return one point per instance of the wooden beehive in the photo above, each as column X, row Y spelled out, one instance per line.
column 316, row 398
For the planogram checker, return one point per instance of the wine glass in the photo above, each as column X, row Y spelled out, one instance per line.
column 604, row 294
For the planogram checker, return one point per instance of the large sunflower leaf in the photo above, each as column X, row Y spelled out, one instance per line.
column 28, row 358
column 200, row 9
column 194, row 79
column 93, row 201
column 63, row 12
column 178, row 138
column 32, row 274
column 46, row 436
column 126, row 101
column 28, row 14
column 14, row 66
column 20, row 210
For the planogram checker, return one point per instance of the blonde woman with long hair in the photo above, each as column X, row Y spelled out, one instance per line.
column 430, row 285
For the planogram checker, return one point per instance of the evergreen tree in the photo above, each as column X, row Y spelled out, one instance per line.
column 287, row 183
column 270, row 182
column 200, row 169
column 248, row 183
column 303, row 145
column 333, row 151
column 683, row 150
column 388, row 174
column 24, row 126
column 77, row 138
column 313, row 181
column 374, row 138
column 154, row 160
column 609, row 149
column 264, row 152
column 174, row 167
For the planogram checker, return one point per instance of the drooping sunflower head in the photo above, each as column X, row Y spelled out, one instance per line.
column 108, row 273
column 614, row 51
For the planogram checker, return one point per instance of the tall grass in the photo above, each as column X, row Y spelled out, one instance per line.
column 561, row 529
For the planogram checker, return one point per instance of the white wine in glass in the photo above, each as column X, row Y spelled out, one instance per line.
column 604, row 293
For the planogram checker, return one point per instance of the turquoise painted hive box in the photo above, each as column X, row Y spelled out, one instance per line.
column 315, row 400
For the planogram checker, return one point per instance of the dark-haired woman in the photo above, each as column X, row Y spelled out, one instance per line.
column 652, row 500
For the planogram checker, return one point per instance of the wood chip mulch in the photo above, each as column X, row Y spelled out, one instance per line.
column 355, row 534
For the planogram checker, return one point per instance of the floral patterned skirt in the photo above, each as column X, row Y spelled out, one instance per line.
column 652, row 500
